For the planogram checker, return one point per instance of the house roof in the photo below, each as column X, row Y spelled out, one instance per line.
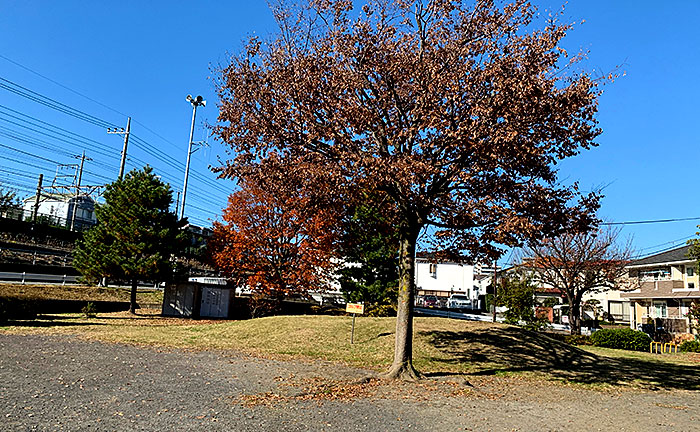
column 674, row 255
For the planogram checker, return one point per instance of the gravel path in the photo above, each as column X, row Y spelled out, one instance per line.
column 64, row 383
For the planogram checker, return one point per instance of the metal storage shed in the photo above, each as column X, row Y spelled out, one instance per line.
column 197, row 300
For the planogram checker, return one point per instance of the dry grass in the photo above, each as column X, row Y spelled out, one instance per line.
column 77, row 292
column 442, row 347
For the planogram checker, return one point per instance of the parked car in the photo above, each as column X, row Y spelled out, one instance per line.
column 430, row 301
column 458, row 301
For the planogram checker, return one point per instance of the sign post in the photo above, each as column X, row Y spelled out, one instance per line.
column 354, row 309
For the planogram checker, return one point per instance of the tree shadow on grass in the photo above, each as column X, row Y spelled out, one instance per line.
column 513, row 349
column 48, row 323
column 51, row 320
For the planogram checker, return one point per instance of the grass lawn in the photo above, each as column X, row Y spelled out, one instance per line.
column 77, row 292
column 441, row 346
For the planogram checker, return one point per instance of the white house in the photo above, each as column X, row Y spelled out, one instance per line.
column 442, row 279
column 60, row 207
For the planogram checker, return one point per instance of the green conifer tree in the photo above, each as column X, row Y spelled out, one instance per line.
column 370, row 245
column 136, row 233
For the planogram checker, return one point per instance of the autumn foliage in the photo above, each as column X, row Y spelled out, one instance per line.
column 273, row 243
column 457, row 111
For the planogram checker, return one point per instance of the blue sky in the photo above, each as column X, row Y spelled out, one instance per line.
column 142, row 58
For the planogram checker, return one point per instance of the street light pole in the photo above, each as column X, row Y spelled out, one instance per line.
column 195, row 103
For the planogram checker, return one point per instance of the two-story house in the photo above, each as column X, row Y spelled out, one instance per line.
column 444, row 278
column 667, row 285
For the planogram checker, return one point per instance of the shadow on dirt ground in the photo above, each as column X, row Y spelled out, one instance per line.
column 512, row 349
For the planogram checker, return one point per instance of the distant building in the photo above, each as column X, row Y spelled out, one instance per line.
column 442, row 279
column 610, row 303
column 667, row 285
column 59, row 209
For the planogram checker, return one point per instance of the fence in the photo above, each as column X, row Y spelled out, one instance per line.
column 25, row 215
column 663, row 348
column 25, row 277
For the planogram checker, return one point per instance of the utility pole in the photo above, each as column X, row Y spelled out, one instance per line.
column 38, row 197
column 77, row 190
column 198, row 101
column 125, row 132
column 177, row 203
column 495, row 287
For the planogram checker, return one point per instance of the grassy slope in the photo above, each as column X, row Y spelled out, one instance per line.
column 77, row 292
column 441, row 347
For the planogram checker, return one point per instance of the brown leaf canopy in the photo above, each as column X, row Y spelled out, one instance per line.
column 458, row 112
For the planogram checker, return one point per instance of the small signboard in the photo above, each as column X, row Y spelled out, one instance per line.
column 355, row 308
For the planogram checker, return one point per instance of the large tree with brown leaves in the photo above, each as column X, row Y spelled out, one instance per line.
column 456, row 111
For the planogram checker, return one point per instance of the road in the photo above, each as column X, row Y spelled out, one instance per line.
column 65, row 383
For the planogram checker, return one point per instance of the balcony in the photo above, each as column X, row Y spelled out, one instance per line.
column 663, row 285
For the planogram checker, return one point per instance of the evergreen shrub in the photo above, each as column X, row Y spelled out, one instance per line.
column 690, row 346
column 623, row 338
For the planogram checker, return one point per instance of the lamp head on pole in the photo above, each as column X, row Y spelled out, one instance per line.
column 196, row 101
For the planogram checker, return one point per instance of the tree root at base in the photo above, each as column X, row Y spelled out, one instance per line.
column 401, row 371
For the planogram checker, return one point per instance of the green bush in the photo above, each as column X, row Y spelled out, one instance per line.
column 690, row 346
column 623, row 338
column 380, row 310
column 89, row 310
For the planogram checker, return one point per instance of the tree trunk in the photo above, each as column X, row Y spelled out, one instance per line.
column 402, row 367
column 575, row 317
column 132, row 303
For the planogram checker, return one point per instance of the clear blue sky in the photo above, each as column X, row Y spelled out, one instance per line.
column 142, row 58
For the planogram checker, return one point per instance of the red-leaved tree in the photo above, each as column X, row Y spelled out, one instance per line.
column 274, row 243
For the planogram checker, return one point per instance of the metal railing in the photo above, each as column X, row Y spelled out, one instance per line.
column 47, row 219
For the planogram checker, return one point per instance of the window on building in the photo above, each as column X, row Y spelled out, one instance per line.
column 659, row 310
column 691, row 285
column 690, row 271
column 655, row 274
column 433, row 270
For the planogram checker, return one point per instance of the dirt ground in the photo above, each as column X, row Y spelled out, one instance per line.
column 64, row 383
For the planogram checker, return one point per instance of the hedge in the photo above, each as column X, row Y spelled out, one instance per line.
column 690, row 346
column 623, row 338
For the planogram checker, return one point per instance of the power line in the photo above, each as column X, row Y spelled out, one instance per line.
column 25, row 163
column 52, row 103
column 672, row 242
column 16, row 136
column 29, row 154
column 658, row 251
column 63, row 86
column 54, row 132
column 59, row 131
column 173, row 163
column 651, row 221
column 17, row 171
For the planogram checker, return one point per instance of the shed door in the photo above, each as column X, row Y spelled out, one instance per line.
column 214, row 303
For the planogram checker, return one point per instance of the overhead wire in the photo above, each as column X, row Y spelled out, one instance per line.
column 54, row 131
column 61, row 134
column 29, row 154
column 52, row 103
column 653, row 221
column 61, row 85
